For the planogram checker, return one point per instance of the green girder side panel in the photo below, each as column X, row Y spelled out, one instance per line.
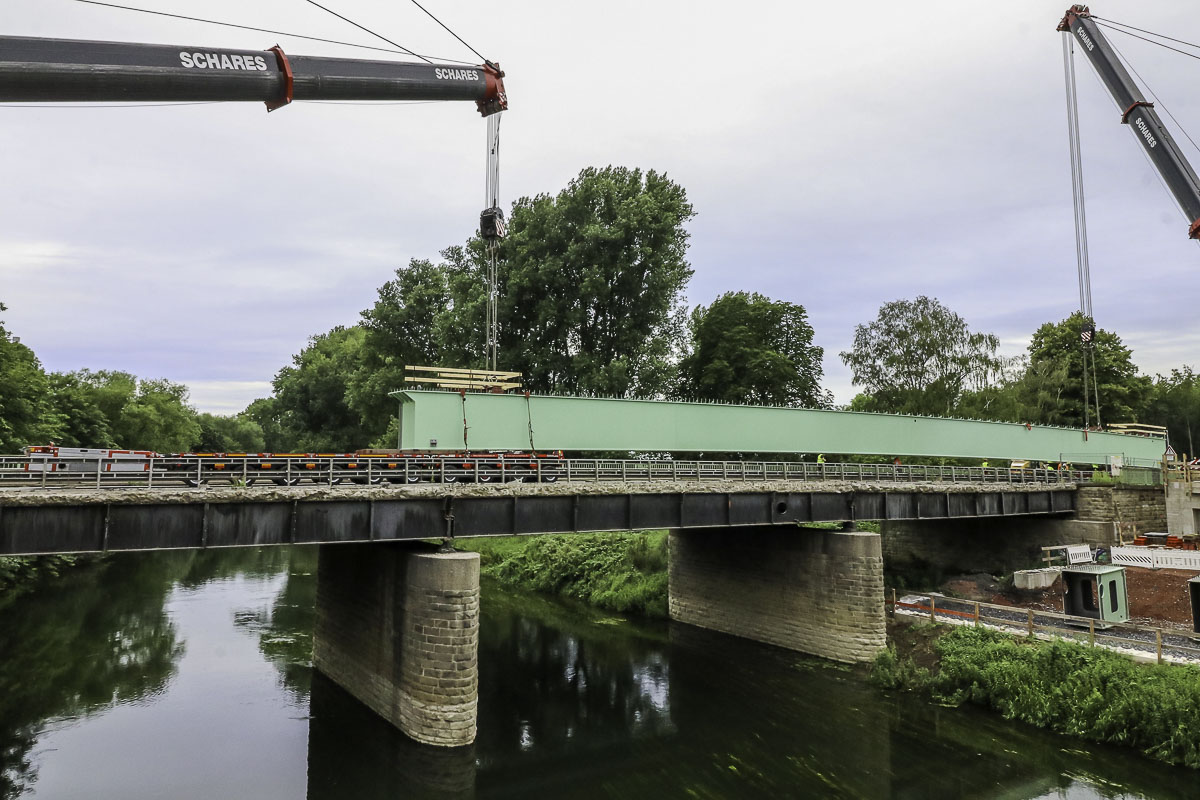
column 515, row 422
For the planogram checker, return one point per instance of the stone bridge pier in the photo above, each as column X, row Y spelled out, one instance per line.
column 397, row 626
column 816, row 591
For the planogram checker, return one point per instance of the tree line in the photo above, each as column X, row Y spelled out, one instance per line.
column 592, row 284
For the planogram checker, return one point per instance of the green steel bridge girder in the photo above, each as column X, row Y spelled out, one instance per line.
column 480, row 421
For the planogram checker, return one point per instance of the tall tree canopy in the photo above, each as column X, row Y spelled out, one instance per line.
column 429, row 314
column 142, row 414
column 919, row 357
column 311, row 396
column 1174, row 402
column 592, row 284
column 1056, row 346
column 24, row 411
column 747, row 348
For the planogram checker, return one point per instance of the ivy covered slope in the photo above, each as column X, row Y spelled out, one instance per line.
column 623, row 572
column 1069, row 688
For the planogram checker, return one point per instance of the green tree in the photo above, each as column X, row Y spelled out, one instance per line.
column 747, row 348
column 919, row 357
column 25, row 413
column 1174, row 402
column 122, row 411
column 82, row 422
column 265, row 413
column 592, row 282
column 237, row 433
column 416, row 320
column 1057, row 347
column 311, row 395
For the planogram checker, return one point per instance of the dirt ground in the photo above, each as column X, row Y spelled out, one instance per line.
column 1156, row 596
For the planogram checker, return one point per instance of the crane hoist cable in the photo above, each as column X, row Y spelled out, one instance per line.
column 265, row 30
column 492, row 229
column 1087, row 333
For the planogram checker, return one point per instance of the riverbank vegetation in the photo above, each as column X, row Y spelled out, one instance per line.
column 622, row 572
column 1090, row 693
column 19, row 573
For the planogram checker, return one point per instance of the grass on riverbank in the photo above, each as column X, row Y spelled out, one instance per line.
column 622, row 572
column 1063, row 686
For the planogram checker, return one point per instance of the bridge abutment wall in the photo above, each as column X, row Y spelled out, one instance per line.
column 815, row 591
column 1103, row 515
column 397, row 626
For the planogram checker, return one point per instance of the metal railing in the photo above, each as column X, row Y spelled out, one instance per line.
column 1164, row 645
column 94, row 472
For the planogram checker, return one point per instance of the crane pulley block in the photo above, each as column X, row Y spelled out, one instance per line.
column 491, row 224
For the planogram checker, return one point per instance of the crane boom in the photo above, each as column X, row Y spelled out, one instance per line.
column 68, row 70
column 1155, row 139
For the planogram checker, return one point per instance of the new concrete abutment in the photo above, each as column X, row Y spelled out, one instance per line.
column 397, row 626
column 815, row 591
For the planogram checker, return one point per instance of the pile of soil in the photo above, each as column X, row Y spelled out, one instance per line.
column 1156, row 596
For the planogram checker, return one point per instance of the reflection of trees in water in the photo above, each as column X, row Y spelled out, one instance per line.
column 284, row 629
column 552, row 677
column 97, row 638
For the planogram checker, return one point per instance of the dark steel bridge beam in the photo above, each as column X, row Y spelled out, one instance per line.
column 99, row 527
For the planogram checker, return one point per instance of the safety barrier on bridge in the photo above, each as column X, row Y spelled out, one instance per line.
column 171, row 471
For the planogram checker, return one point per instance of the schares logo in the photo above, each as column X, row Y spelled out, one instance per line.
column 1083, row 37
column 456, row 74
column 1146, row 134
column 222, row 61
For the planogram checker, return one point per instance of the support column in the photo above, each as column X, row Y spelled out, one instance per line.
column 398, row 628
column 815, row 591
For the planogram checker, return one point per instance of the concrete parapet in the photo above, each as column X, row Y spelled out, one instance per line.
column 815, row 591
column 398, row 628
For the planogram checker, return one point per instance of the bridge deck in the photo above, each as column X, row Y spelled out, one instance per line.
column 67, row 521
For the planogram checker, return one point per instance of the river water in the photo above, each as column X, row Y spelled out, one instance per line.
column 187, row 675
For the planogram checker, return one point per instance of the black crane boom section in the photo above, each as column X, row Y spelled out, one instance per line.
column 1155, row 139
column 67, row 70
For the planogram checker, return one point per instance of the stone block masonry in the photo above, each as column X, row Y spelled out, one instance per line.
column 398, row 628
column 815, row 591
column 1104, row 515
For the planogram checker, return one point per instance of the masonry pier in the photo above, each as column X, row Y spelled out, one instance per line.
column 397, row 626
column 815, row 591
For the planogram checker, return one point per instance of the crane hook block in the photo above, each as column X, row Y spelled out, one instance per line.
column 494, row 99
column 491, row 224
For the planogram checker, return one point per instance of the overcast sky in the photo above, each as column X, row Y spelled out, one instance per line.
column 838, row 155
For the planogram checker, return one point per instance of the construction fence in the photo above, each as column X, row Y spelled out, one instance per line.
column 1140, row 642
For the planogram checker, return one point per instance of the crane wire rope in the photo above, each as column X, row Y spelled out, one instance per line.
column 452, row 33
column 1111, row 23
column 492, row 201
column 368, row 30
column 404, row 51
column 1083, row 269
column 1158, row 103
